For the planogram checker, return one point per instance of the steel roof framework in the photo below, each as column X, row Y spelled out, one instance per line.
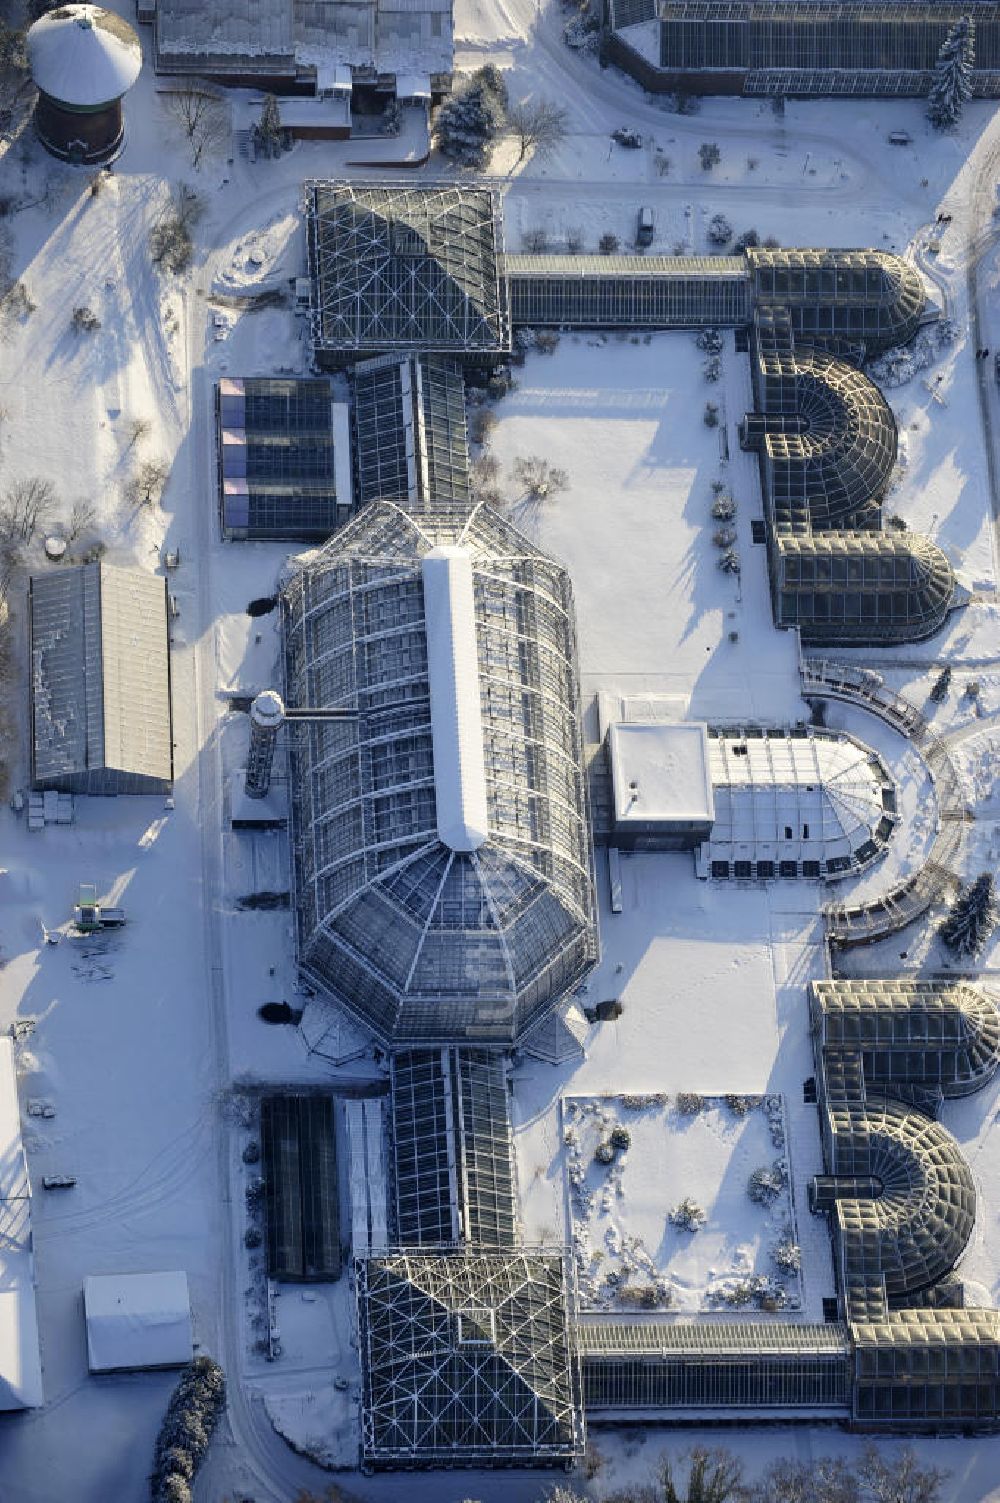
column 467, row 1358
column 406, row 269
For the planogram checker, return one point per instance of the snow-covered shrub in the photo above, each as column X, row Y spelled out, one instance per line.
column 17, row 302
column 712, row 369
column 84, row 320
column 710, row 416
column 621, row 1138
column 191, row 1417
column 689, row 1215
column 745, row 241
column 582, row 32
column 723, row 507
column 469, row 121
column 481, row 425
column 608, row 244
column 252, row 1238
column 604, row 1153
column 709, row 155
column 766, row 1184
column 251, row 1152
column 787, row 1255
column 724, row 537
column 729, row 562
column 741, row 1105
column 636, row 1103
column 720, row 231
column 547, row 341
column 689, row 1103
column 709, row 340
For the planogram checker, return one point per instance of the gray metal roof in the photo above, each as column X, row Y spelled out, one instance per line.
column 100, row 673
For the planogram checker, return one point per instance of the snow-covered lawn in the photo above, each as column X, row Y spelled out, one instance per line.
column 668, row 1221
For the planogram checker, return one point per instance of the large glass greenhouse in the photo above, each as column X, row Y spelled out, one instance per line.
column 442, row 848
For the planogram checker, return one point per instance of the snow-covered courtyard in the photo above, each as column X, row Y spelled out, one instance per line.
column 681, row 1204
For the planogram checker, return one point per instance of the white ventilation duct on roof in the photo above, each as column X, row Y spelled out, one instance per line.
column 456, row 714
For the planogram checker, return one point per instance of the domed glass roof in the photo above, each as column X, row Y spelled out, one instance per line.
column 418, row 933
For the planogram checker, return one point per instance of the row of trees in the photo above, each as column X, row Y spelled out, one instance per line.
column 479, row 111
column 715, row 1475
column 195, row 1407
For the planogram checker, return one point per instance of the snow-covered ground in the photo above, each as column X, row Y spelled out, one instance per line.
column 146, row 1049
column 628, row 1157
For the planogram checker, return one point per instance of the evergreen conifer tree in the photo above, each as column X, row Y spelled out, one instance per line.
column 269, row 128
column 972, row 918
column 952, row 84
column 468, row 123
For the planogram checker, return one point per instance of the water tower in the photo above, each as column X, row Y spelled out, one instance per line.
column 83, row 60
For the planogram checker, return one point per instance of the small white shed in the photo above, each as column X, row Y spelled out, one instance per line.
column 137, row 1320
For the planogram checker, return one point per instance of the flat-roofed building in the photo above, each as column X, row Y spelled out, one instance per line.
column 100, row 681
column 662, row 784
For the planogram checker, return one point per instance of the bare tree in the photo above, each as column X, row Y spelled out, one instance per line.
column 824, row 1479
column 899, row 1478
column 201, row 119
column 170, row 240
column 138, row 429
column 538, row 479
column 713, row 1476
column 145, row 486
column 538, row 125
column 25, row 507
column 83, row 515
column 13, row 70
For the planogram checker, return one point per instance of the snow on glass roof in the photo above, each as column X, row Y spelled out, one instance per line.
column 443, row 870
column 467, row 1357
column 100, row 680
column 82, row 55
column 798, row 797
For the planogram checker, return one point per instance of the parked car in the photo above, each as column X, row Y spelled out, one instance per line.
column 58, row 1181
column 644, row 227
column 625, row 136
